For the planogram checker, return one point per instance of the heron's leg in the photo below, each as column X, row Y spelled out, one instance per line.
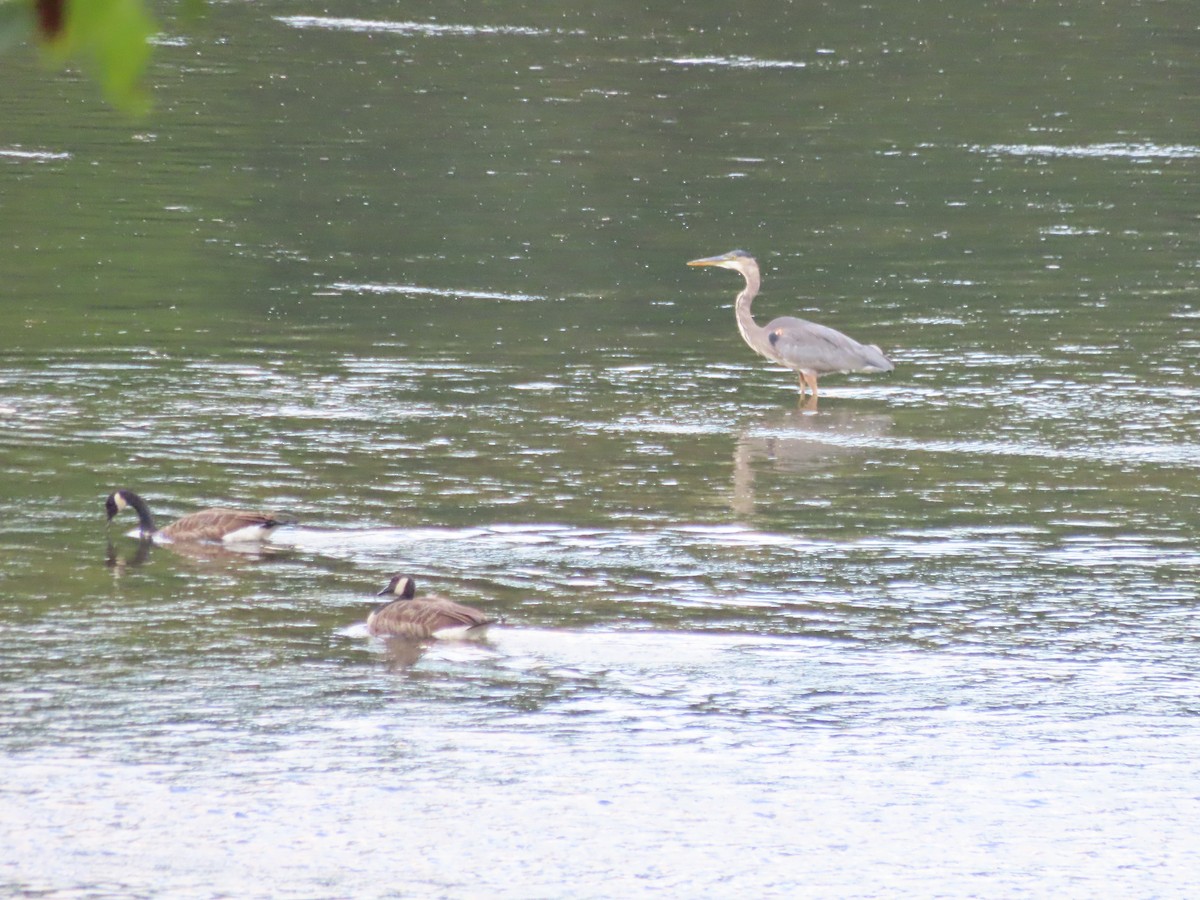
column 811, row 381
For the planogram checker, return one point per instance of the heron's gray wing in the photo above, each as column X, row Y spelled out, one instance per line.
column 807, row 346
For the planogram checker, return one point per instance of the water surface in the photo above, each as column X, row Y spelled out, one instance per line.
column 419, row 281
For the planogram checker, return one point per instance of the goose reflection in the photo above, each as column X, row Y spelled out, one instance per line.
column 120, row 559
column 119, row 562
column 798, row 442
column 402, row 653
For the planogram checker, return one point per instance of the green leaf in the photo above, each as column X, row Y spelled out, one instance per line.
column 113, row 36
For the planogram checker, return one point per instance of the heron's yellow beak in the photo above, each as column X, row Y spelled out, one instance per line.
column 734, row 259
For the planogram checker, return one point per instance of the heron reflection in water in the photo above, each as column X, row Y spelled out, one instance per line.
column 793, row 443
column 807, row 348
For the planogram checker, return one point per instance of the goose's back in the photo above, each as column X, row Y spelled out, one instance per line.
column 218, row 524
column 426, row 617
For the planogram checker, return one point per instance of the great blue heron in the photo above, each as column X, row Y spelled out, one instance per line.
column 810, row 349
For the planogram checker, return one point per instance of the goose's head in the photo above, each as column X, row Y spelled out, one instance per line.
column 401, row 586
column 115, row 503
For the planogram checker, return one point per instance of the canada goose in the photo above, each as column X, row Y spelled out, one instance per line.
column 225, row 525
column 410, row 616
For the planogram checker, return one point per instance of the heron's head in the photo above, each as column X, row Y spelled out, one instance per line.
column 738, row 260
column 402, row 586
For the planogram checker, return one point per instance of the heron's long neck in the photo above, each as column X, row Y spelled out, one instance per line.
column 145, row 520
column 741, row 308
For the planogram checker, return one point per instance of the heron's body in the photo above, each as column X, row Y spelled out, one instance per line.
column 420, row 618
column 217, row 524
column 807, row 348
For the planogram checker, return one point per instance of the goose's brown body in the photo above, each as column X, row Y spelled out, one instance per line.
column 216, row 524
column 420, row 618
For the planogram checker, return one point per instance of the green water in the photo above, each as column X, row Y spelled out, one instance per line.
column 419, row 279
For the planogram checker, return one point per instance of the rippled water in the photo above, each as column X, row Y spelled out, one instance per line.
column 421, row 284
